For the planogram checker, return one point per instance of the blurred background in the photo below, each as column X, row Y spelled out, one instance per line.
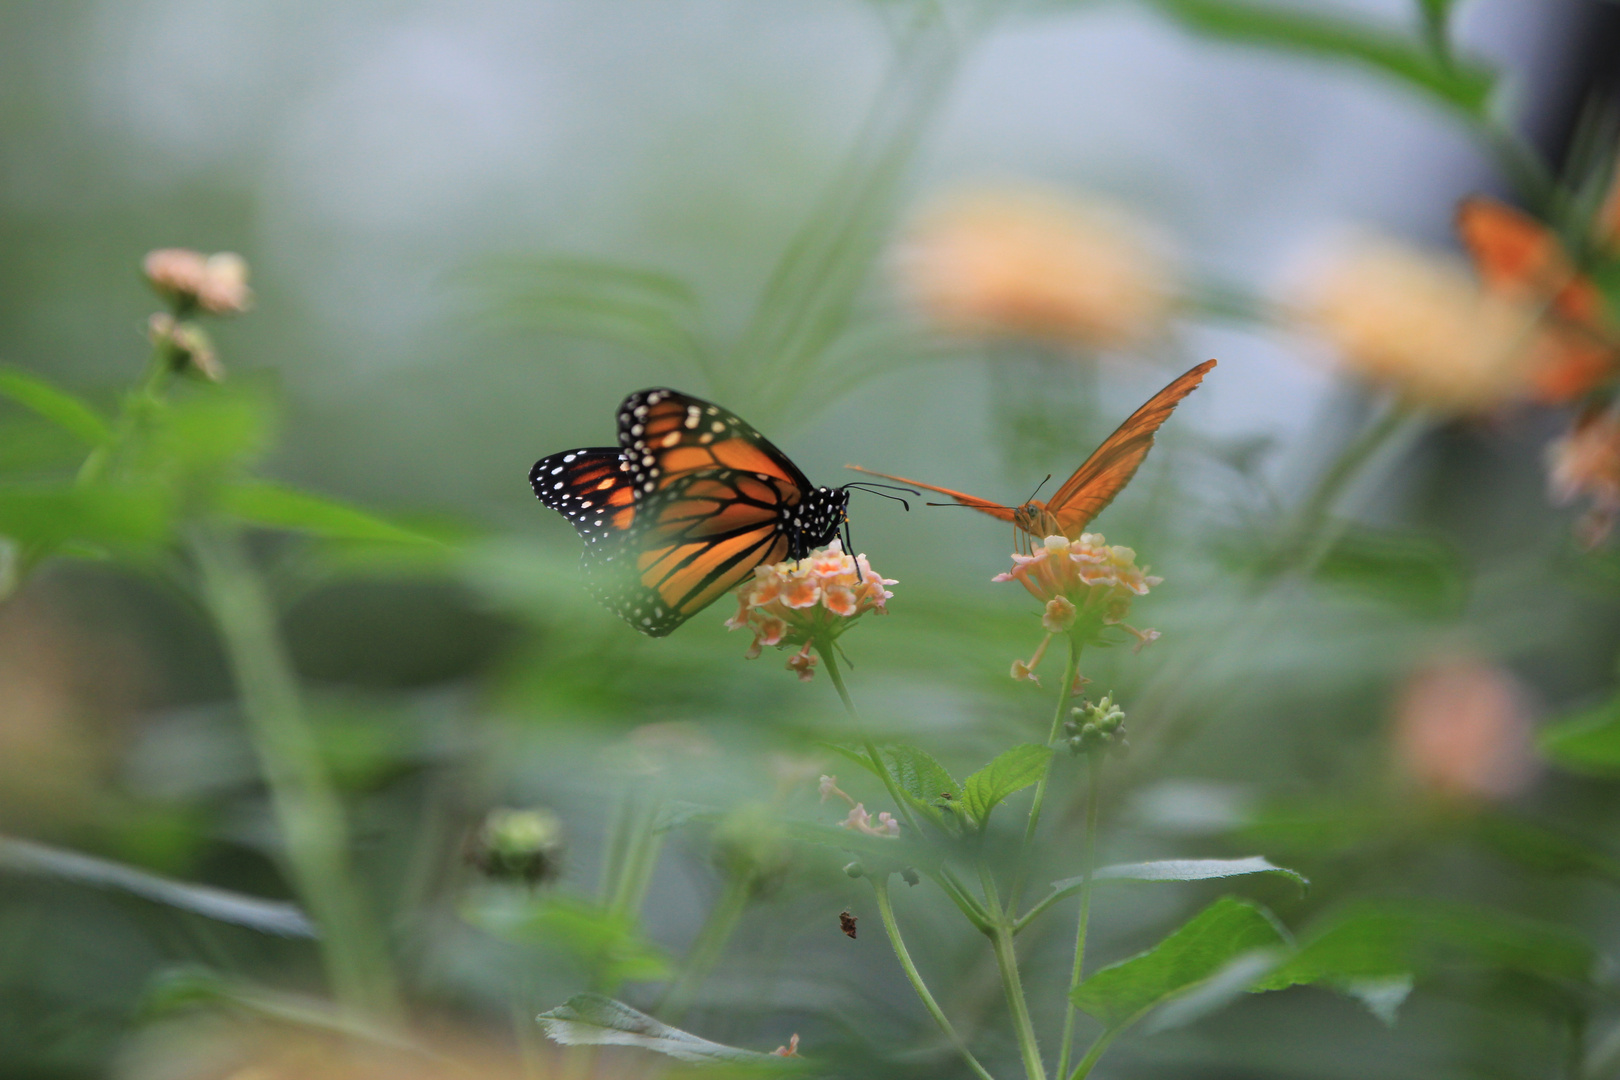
column 954, row 241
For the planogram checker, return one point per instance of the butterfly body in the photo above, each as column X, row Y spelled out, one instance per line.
column 1094, row 484
column 684, row 508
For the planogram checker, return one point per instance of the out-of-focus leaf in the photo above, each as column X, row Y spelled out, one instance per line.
column 276, row 506
column 605, row 942
column 178, row 989
column 647, row 310
column 1408, row 569
column 1011, row 771
column 1544, row 849
column 596, row 1020
column 1122, row 993
column 214, row 430
column 1385, row 940
column 1235, row 979
column 1464, row 85
column 1188, row 870
column 57, row 406
column 1587, row 742
column 266, row 916
column 51, row 516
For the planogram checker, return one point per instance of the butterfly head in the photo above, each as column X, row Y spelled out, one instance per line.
column 815, row 520
column 1035, row 520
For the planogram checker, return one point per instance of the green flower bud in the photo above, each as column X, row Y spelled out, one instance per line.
column 855, row 869
column 518, row 845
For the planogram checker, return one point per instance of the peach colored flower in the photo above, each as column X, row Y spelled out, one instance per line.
column 861, row 821
column 1586, row 462
column 1030, row 262
column 806, row 601
column 1419, row 323
column 1463, row 730
column 1086, row 586
column 217, row 283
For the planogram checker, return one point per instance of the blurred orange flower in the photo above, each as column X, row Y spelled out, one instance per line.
column 1462, row 730
column 1419, row 323
column 1027, row 262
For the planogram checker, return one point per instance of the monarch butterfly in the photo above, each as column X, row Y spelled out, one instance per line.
column 1094, row 484
column 1515, row 253
column 684, row 508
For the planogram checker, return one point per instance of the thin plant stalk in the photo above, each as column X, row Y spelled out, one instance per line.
column 306, row 805
column 1310, row 537
column 976, row 912
column 880, row 884
column 1001, row 940
column 710, row 944
column 1071, row 669
column 1088, row 866
column 1089, row 1062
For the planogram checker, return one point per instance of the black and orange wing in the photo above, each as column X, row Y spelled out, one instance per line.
column 995, row 510
column 692, row 540
column 1110, row 467
column 665, row 435
column 591, row 488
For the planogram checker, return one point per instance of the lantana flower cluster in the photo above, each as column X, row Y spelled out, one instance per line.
column 808, row 601
column 1087, row 586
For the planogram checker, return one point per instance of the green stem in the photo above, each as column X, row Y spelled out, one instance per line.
column 886, row 909
column 159, row 366
column 976, row 913
column 1088, row 865
column 1001, row 940
column 1070, row 670
column 1087, row 1063
column 1310, row 538
column 306, row 805
column 643, row 844
column 710, row 943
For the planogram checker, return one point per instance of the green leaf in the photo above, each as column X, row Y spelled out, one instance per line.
column 276, row 506
column 1388, row 939
column 644, row 309
column 1587, row 742
column 57, row 406
column 1010, row 772
column 1461, row 84
column 922, row 780
column 1122, row 993
column 1413, row 571
column 596, row 1020
column 50, row 516
column 605, row 942
column 1188, row 870
column 1544, row 849
column 266, row 916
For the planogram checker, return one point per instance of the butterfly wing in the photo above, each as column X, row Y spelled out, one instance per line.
column 688, row 504
column 1110, row 467
column 692, row 541
column 589, row 487
column 1510, row 249
column 666, row 435
column 995, row 510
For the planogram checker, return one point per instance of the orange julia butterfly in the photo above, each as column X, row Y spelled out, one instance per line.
column 1514, row 253
column 1094, row 484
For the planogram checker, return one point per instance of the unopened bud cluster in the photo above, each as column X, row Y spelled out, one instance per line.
column 518, row 845
column 1095, row 727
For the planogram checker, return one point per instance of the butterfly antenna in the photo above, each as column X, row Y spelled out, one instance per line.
column 1038, row 487
column 886, row 495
